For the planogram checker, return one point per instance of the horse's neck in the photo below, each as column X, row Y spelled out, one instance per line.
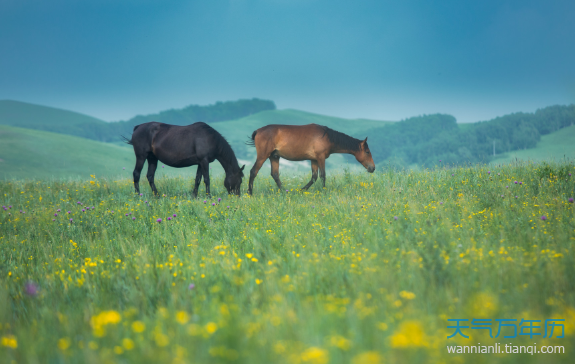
column 228, row 162
column 342, row 150
column 344, row 145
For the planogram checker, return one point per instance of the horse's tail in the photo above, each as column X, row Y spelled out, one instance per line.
column 252, row 141
column 126, row 140
column 129, row 141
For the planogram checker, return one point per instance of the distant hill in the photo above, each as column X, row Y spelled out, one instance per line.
column 26, row 115
column 429, row 140
column 31, row 116
column 555, row 146
column 26, row 153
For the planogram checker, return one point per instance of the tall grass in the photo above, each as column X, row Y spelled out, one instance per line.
column 367, row 270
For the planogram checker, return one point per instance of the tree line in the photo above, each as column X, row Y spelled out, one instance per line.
column 426, row 140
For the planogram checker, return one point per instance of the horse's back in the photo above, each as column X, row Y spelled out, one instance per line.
column 273, row 130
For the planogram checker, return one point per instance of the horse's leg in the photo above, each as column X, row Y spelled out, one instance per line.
column 254, row 172
column 198, row 180
column 205, row 164
column 152, row 165
column 275, row 162
column 313, row 175
column 140, row 160
column 321, row 165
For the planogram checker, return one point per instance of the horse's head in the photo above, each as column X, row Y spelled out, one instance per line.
column 363, row 156
column 233, row 181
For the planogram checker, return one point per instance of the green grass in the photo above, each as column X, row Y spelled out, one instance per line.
column 555, row 146
column 366, row 271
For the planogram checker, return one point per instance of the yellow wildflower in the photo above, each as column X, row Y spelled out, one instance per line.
column 315, row 355
column 9, row 341
column 409, row 334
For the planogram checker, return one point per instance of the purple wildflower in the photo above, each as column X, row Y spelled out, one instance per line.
column 31, row 288
column 10, row 206
column 520, row 183
column 395, row 217
column 441, row 203
column 213, row 204
column 159, row 220
column 21, row 211
column 570, row 199
column 127, row 214
column 488, row 172
column 83, row 210
column 58, row 210
column 53, row 219
column 123, row 167
column 515, row 182
column 133, row 218
column 69, row 212
column 219, row 199
column 169, row 218
column 141, row 194
column 175, row 215
column 204, row 201
column 71, row 220
column 191, row 286
column 543, row 217
column 506, row 186
column 56, row 215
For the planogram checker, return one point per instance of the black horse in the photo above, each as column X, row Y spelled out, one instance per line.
column 183, row 146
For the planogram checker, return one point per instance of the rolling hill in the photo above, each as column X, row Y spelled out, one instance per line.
column 31, row 116
column 554, row 146
column 26, row 153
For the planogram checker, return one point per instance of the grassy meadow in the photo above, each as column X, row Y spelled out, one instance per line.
column 367, row 270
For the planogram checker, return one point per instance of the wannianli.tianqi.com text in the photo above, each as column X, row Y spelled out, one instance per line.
column 498, row 348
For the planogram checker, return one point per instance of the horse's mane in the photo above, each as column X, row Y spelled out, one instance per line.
column 341, row 140
column 226, row 151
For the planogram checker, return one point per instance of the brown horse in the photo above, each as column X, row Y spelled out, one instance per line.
column 304, row 142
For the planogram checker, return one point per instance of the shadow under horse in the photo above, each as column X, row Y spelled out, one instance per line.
column 184, row 146
column 304, row 142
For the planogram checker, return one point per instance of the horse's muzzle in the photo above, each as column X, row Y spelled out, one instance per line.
column 371, row 169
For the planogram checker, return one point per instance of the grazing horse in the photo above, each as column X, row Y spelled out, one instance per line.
column 304, row 142
column 183, row 146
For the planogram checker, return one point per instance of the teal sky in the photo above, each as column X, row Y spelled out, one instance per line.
column 370, row 59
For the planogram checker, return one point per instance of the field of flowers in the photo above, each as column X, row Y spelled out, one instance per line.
column 368, row 270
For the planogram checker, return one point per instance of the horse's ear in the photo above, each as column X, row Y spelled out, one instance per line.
column 241, row 169
column 365, row 140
